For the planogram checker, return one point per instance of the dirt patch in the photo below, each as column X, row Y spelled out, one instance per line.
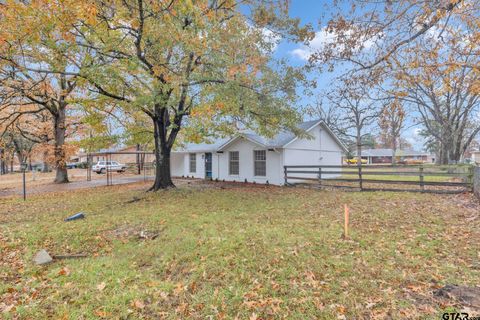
column 464, row 296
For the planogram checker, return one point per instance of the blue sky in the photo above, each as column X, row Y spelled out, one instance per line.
column 311, row 11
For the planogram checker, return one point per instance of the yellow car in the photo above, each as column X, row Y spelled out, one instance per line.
column 354, row 161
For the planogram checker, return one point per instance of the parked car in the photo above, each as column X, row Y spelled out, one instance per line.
column 72, row 165
column 101, row 167
column 354, row 161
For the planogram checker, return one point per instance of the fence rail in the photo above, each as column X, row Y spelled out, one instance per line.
column 426, row 178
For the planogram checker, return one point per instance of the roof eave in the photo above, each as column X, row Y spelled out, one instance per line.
column 238, row 136
column 296, row 137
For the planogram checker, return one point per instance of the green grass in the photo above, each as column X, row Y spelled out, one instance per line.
column 241, row 252
column 393, row 177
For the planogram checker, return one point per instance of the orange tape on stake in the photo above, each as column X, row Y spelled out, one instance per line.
column 347, row 215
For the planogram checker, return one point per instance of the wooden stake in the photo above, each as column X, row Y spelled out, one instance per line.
column 345, row 229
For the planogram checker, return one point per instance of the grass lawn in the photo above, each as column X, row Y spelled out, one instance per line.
column 236, row 252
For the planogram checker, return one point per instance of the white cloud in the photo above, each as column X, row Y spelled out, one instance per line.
column 323, row 38
column 271, row 37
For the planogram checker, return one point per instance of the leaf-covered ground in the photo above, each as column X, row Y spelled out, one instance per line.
column 247, row 252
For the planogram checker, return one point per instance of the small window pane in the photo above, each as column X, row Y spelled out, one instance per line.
column 234, row 163
column 260, row 163
column 193, row 163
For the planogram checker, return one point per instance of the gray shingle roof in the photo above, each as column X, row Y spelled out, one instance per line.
column 204, row 147
column 278, row 141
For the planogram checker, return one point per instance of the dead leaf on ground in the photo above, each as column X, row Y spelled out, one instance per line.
column 64, row 271
column 137, row 304
column 101, row 286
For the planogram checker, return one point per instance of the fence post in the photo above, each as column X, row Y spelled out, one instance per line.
column 285, row 175
column 471, row 176
column 360, row 179
column 320, row 176
column 422, row 185
column 476, row 181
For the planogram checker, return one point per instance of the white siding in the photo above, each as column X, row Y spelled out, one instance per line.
column 200, row 168
column 176, row 164
column 245, row 149
column 321, row 149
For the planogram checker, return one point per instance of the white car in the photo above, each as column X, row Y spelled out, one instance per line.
column 101, row 167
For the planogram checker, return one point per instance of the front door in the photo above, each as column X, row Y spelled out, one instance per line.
column 208, row 165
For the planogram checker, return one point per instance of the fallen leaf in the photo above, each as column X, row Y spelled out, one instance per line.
column 101, row 286
column 101, row 314
column 9, row 308
column 64, row 271
column 138, row 304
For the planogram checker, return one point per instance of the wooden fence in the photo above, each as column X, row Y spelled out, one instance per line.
column 417, row 178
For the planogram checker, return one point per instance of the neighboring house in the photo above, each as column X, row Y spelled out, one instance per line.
column 377, row 156
column 126, row 155
column 248, row 156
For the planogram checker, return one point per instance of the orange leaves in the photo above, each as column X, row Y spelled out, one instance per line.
column 64, row 272
column 138, row 304
column 102, row 314
column 91, row 12
column 257, row 303
column 236, row 69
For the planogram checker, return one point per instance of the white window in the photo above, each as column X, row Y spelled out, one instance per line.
column 260, row 163
column 234, row 163
column 193, row 163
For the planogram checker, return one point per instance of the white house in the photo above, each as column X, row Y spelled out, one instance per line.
column 257, row 159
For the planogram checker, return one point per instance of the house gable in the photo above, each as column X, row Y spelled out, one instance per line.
column 317, row 139
column 238, row 138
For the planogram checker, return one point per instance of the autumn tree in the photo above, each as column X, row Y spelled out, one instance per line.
column 434, row 38
column 194, row 68
column 391, row 122
column 366, row 35
column 351, row 110
column 445, row 94
column 37, row 128
column 39, row 66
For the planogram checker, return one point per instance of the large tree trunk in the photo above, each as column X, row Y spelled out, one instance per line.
column 163, row 178
column 60, row 157
column 2, row 161
column 21, row 158
column 139, row 169
column 445, row 150
column 45, row 167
